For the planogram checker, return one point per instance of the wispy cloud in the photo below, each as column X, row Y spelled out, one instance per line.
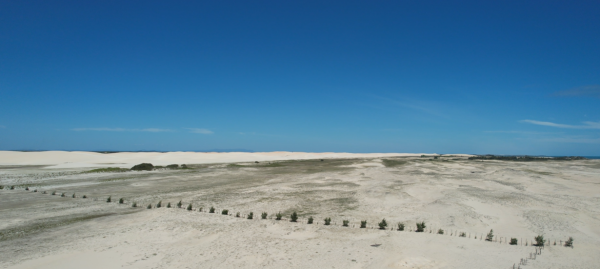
column 200, row 131
column 151, row 130
column 588, row 90
column 583, row 140
column 586, row 124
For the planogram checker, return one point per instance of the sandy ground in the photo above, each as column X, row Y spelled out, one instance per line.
column 557, row 199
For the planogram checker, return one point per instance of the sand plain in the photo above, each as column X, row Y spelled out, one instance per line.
column 516, row 199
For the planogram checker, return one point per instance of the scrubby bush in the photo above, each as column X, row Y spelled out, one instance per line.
column 569, row 243
column 54, row 193
column 173, row 166
column 134, row 204
column 183, row 166
column 514, row 241
column 169, row 205
column 12, row 187
column 212, row 210
column 35, row 190
column 440, row 231
column 26, row 188
column 121, row 200
column 189, row 208
column 237, row 215
column 421, row 227
column 327, row 221
column 363, row 224
column 108, row 199
column 179, row 204
column 159, row 204
column 74, row 196
column 263, row 215
column 278, row 216
column 44, row 192
column 224, row 212
column 490, row 235
column 143, row 167
column 400, row 226
column 462, row 234
column 200, row 209
column 539, row 240
column 62, row 194
column 250, row 215
column 149, row 206
column 310, row 220
column 1, row 187
column 294, row 217
column 84, row 197
column 345, row 223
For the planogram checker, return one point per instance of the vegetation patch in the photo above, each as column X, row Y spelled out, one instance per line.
column 107, row 170
column 393, row 163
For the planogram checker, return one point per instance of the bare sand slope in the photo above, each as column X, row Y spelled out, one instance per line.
column 76, row 159
column 556, row 199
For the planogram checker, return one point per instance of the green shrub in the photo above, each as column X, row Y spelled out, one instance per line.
column 294, row 217
column 327, row 221
column 263, row 215
column 363, row 224
column 149, row 206
column 490, row 235
column 345, row 223
column 159, row 204
column 108, row 199
column 569, row 243
column 12, row 187
column 54, row 193
column 84, row 197
column 62, row 194
column 189, row 208
column 169, row 205
column 121, row 200
column 224, row 212
column 44, row 192
column 237, row 215
column 440, row 231
column 462, row 234
column 73, row 196
column 383, row 224
column 179, row 204
column 400, row 226
column 26, row 188
column 212, row 210
column 173, row 166
column 421, row 227
column 1, row 187
column 200, row 209
column 134, row 204
column 539, row 241
column 278, row 216
column 513, row 241
column 183, row 166
column 143, row 167
column 250, row 215
column 35, row 190
column 310, row 220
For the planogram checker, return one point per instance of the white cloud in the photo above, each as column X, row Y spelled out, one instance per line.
column 152, row 130
column 587, row 124
column 200, row 131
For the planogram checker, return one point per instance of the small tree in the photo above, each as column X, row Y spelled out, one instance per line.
column 490, row 235
column 462, row 234
column 237, row 215
column 569, row 243
column 179, row 204
column 121, row 200
column 363, row 224
column 62, row 194
column 211, row 210
column 327, row 221
column 224, row 212
column 382, row 224
column 310, row 220
column 440, row 231
column 35, row 190
column 12, row 187
column 134, row 204
column 294, row 217
column 278, row 216
column 159, row 204
column 263, row 215
column 143, row 167
column 345, row 223
column 108, row 199
column 189, row 208
column 149, row 206
column 44, row 192
column 169, row 205
column 84, row 197
column 54, row 193
column 539, row 241
column 26, row 188
column 250, row 215
column 421, row 227
column 400, row 226
column 73, row 196
column 513, row 241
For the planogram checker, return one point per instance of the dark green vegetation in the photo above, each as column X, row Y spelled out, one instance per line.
column 294, row 217
column 108, row 199
column 173, row 166
column 383, row 224
column 421, row 226
column 159, row 204
column 310, row 220
column 134, row 204
column 525, row 158
column 121, row 200
column 108, row 170
column 363, row 224
column 345, row 223
column 237, row 215
column 490, row 235
column 189, row 207
column 212, row 209
column 400, row 226
column 440, row 231
column 74, row 196
column 513, row 241
column 169, row 205
column 327, row 221
column 224, row 212
column 278, row 216
column 149, row 206
column 250, row 215
column 179, row 204
column 263, row 215
column 540, row 241
column 462, row 234
column 393, row 162
column 143, row 167
column 569, row 243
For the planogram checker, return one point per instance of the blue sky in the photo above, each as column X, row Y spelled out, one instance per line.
column 511, row 77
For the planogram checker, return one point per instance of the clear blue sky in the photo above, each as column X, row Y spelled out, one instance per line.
column 511, row 77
